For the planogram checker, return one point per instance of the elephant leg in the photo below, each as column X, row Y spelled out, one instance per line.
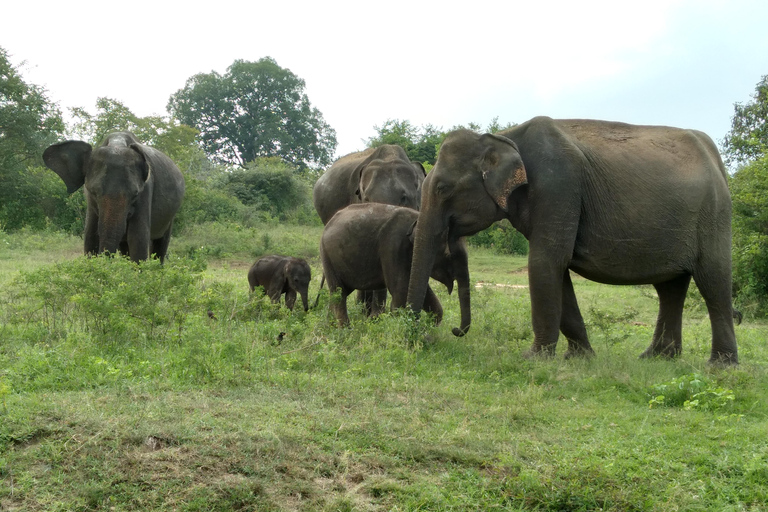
column 713, row 277
column 91, row 235
column 378, row 302
column 290, row 299
column 668, row 335
column 365, row 297
column 338, row 303
column 160, row 245
column 546, row 288
column 432, row 305
column 572, row 323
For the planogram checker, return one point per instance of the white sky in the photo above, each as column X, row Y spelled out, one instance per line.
column 673, row 62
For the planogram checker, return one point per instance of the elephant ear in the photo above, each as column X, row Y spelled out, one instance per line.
column 502, row 167
column 146, row 171
column 419, row 167
column 68, row 159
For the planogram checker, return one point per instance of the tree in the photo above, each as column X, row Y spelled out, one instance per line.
column 748, row 138
column 268, row 184
column 256, row 109
column 178, row 141
column 421, row 144
column 749, row 192
column 29, row 122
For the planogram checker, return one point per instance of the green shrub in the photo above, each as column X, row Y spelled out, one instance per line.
column 749, row 191
column 112, row 299
column 691, row 392
column 502, row 238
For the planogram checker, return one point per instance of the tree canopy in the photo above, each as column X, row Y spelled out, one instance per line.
column 421, row 143
column 29, row 122
column 748, row 138
column 256, row 109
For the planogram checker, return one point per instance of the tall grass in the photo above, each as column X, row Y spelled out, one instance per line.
column 119, row 391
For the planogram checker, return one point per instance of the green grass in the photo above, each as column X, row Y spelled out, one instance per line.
column 128, row 397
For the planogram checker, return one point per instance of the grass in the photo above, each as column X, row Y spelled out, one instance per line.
column 103, row 409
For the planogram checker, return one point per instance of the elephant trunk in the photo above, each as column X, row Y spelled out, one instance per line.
column 113, row 222
column 304, row 299
column 426, row 243
column 461, row 270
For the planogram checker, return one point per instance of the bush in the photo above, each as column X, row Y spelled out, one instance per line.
column 270, row 185
column 104, row 296
column 749, row 192
column 502, row 238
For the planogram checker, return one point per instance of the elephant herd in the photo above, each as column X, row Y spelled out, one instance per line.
column 615, row 203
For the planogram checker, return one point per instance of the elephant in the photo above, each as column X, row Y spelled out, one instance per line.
column 132, row 191
column 282, row 275
column 377, row 175
column 615, row 203
column 369, row 247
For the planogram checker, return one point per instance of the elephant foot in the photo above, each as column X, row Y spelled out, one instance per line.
column 724, row 359
column 539, row 351
column 668, row 351
column 580, row 352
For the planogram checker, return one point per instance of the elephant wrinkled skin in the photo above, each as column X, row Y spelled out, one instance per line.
column 615, row 203
column 282, row 275
column 369, row 246
column 133, row 192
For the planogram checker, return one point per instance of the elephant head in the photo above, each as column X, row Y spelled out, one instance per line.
column 115, row 179
column 298, row 274
column 468, row 190
column 388, row 176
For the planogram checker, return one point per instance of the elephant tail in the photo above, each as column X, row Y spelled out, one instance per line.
column 317, row 299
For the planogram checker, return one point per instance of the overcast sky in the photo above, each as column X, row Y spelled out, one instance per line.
column 672, row 62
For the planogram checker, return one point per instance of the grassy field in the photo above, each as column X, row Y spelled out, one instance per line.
column 118, row 392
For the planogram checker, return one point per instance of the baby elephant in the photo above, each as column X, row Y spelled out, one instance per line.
column 369, row 247
column 282, row 275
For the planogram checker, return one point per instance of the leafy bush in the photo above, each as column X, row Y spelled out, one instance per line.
column 268, row 184
column 502, row 238
column 112, row 299
column 691, row 392
column 749, row 191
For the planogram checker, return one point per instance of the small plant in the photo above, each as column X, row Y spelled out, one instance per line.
column 691, row 392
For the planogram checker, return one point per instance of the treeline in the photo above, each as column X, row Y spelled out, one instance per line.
column 251, row 146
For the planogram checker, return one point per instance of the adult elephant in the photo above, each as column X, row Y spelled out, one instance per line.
column 369, row 246
column 383, row 174
column 376, row 175
column 132, row 191
column 282, row 275
column 616, row 203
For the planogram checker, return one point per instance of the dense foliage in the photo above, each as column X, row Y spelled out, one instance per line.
column 748, row 138
column 256, row 109
column 29, row 121
column 747, row 145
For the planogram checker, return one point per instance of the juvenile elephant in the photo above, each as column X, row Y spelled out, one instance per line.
column 369, row 246
column 282, row 275
column 616, row 203
column 133, row 192
column 376, row 175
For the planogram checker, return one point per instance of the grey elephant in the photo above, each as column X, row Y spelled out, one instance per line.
column 615, row 203
column 369, row 246
column 132, row 191
column 282, row 275
column 376, row 175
